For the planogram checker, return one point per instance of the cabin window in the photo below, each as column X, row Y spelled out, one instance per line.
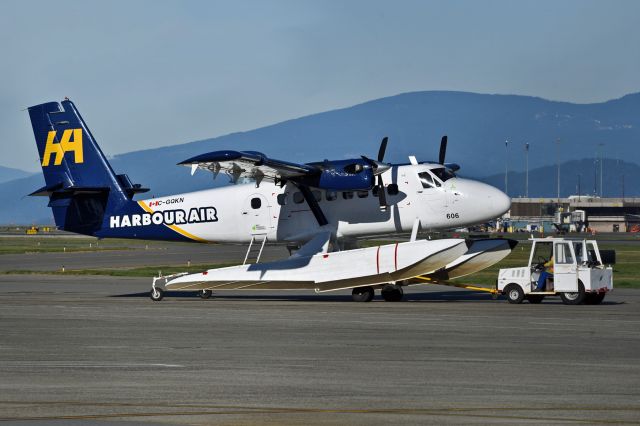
column 282, row 199
column 298, row 198
column 443, row 173
column 563, row 253
column 317, row 195
column 256, row 203
column 363, row 194
column 392, row 189
column 426, row 180
column 347, row 195
column 331, row 195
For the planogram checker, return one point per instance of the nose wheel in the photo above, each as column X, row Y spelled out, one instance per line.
column 156, row 294
column 205, row 294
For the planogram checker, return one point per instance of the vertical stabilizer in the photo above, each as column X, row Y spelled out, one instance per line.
column 80, row 183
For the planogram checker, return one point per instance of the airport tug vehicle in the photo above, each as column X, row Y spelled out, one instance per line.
column 575, row 269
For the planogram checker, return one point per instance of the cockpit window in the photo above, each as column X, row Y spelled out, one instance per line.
column 426, row 180
column 443, row 173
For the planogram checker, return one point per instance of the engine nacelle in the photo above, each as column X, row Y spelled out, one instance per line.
column 342, row 175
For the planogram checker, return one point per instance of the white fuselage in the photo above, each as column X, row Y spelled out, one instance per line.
column 282, row 215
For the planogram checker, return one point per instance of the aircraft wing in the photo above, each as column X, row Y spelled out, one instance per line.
column 248, row 164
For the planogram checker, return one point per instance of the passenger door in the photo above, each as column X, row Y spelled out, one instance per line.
column 565, row 276
column 256, row 215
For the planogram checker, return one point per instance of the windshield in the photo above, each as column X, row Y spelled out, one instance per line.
column 443, row 173
column 427, row 180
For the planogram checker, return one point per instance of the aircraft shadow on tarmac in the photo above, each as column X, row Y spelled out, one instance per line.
column 440, row 296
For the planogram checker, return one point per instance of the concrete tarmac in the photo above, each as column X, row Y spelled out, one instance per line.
column 91, row 349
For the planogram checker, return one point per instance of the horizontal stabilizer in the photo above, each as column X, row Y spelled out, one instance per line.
column 59, row 188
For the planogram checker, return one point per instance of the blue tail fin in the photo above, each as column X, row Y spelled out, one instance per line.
column 80, row 183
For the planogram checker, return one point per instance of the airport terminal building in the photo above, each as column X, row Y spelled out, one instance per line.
column 589, row 212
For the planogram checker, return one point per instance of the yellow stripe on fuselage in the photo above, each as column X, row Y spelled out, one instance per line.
column 174, row 227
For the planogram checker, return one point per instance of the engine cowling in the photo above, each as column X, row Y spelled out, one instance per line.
column 342, row 175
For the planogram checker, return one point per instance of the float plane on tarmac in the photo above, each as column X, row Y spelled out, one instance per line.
column 320, row 208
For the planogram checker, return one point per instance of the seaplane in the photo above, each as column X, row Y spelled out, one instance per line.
column 321, row 210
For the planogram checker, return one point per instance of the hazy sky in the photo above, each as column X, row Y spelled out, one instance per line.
column 154, row 73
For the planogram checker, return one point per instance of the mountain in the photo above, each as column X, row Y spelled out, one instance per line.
column 576, row 177
column 8, row 173
column 477, row 125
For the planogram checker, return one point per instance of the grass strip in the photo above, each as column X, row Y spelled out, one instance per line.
column 145, row 271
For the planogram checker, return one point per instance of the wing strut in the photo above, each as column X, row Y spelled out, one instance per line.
column 313, row 205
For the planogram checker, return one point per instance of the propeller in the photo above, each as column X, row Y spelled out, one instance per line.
column 443, row 152
column 378, row 169
column 443, row 149
column 383, row 148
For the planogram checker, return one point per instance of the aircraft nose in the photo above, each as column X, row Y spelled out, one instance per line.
column 499, row 202
column 482, row 201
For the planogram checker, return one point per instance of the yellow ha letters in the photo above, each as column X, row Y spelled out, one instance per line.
column 66, row 144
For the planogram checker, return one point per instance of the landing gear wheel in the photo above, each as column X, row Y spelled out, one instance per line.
column 362, row 294
column 392, row 293
column 535, row 298
column 575, row 298
column 514, row 293
column 205, row 294
column 156, row 294
column 594, row 298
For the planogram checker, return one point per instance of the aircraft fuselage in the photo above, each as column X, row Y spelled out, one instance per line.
column 237, row 213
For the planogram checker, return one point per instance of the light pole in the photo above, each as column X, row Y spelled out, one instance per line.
column 600, row 145
column 558, row 163
column 579, row 176
column 526, row 167
column 506, row 166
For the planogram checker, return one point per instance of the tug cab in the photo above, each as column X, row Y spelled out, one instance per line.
column 575, row 269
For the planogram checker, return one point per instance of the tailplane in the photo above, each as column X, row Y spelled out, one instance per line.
column 80, row 183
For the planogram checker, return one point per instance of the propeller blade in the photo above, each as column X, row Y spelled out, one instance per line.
column 313, row 205
column 383, row 148
column 443, row 150
column 382, row 197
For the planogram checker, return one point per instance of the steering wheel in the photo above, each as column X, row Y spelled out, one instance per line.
column 540, row 265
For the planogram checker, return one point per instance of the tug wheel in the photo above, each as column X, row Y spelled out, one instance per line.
column 594, row 298
column 156, row 294
column 535, row 298
column 205, row 294
column 514, row 293
column 574, row 298
column 392, row 293
column 362, row 294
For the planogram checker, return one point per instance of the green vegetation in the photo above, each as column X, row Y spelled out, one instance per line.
column 53, row 244
column 34, row 244
column 146, row 271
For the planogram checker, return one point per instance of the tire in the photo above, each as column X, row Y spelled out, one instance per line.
column 205, row 294
column 514, row 293
column 362, row 294
column 156, row 294
column 392, row 293
column 535, row 298
column 575, row 298
column 594, row 298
